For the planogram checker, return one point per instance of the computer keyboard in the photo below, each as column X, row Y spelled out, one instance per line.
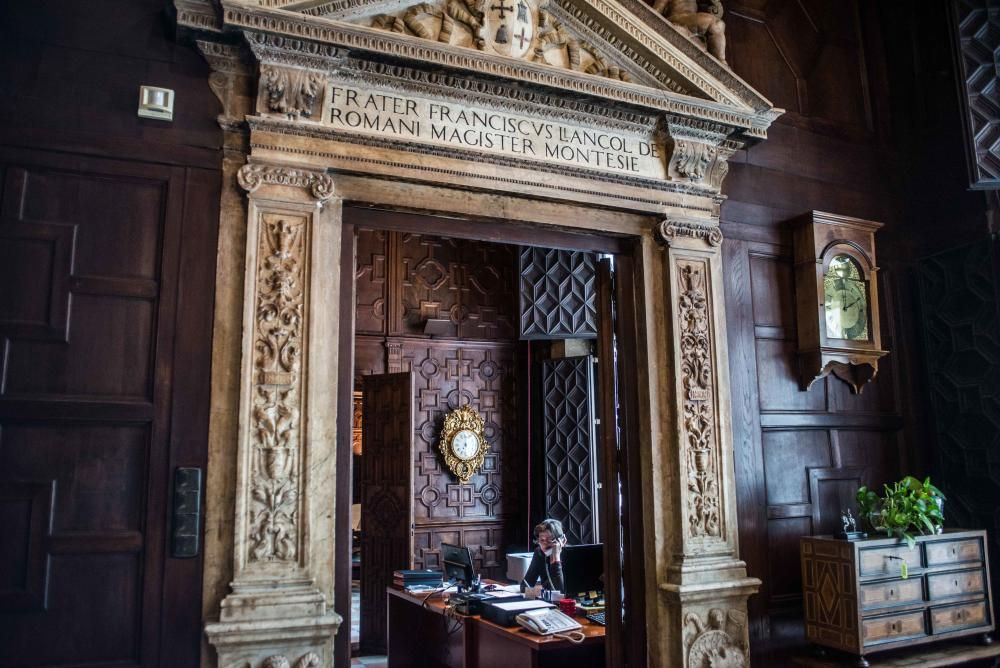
column 597, row 618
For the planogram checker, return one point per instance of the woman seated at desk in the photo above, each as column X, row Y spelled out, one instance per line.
column 545, row 562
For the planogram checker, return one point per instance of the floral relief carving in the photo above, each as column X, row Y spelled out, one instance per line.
column 717, row 642
column 308, row 660
column 274, row 486
column 252, row 176
column 690, row 159
column 291, row 92
column 521, row 29
column 701, row 440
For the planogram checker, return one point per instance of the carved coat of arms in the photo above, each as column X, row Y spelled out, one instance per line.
column 509, row 26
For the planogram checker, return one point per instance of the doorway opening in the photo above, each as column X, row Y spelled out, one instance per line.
column 439, row 322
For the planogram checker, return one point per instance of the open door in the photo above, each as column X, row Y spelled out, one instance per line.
column 621, row 511
column 386, row 480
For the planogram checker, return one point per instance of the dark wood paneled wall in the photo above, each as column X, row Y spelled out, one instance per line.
column 800, row 455
column 403, row 280
column 107, row 271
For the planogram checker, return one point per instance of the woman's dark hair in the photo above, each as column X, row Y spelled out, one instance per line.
column 554, row 527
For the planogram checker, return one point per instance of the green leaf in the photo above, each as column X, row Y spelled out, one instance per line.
column 904, row 571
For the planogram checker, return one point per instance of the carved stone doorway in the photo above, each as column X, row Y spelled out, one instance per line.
column 399, row 355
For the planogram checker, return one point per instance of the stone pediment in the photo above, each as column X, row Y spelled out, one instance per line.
column 621, row 50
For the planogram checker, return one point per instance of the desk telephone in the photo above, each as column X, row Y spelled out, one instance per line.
column 547, row 622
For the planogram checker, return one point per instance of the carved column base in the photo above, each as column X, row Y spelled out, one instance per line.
column 263, row 632
column 711, row 620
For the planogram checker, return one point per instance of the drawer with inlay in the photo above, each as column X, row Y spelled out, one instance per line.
column 956, row 583
column 891, row 593
column 890, row 628
column 955, row 617
column 953, row 552
column 888, row 560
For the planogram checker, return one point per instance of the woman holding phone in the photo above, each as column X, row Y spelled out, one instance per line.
column 545, row 562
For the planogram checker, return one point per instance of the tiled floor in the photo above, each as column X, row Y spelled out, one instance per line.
column 370, row 661
column 355, row 611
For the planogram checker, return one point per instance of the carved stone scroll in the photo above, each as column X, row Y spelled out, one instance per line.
column 253, row 176
column 670, row 230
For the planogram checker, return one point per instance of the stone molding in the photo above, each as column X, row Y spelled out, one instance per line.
column 293, row 52
column 319, row 185
column 199, row 15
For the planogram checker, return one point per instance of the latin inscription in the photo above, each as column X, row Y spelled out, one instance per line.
column 418, row 119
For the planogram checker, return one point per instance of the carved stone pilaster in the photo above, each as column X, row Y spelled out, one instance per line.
column 282, row 570
column 705, row 585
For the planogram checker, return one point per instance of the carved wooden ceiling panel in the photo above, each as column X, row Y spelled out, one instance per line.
column 557, row 294
column 978, row 41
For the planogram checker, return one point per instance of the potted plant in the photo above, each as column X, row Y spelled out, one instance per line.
column 907, row 507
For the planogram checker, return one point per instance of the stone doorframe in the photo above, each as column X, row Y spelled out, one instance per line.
column 270, row 534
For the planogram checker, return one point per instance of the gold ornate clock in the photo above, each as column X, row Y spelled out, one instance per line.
column 836, row 299
column 463, row 442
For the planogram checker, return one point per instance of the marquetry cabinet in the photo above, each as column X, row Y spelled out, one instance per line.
column 856, row 600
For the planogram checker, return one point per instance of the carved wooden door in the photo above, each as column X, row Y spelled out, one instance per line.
column 94, row 412
column 386, row 497
column 569, row 446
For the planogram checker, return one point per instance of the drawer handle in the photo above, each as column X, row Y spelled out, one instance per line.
column 892, row 593
column 956, row 583
column 892, row 627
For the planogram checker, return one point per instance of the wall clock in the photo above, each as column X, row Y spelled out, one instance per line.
column 836, row 296
column 463, row 442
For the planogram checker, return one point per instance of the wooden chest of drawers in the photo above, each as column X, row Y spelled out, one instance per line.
column 855, row 599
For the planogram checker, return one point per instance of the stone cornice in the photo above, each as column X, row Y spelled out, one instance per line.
column 750, row 124
column 199, row 15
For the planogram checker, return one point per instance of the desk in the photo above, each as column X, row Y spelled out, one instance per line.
column 421, row 635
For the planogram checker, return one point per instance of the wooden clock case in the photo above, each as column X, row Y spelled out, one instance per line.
column 818, row 237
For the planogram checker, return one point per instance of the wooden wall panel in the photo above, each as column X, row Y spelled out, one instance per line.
column 799, row 454
column 471, row 286
column 91, row 411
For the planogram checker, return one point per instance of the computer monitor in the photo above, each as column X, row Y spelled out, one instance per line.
column 583, row 569
column 457, row 563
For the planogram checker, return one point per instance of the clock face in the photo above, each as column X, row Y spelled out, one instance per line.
column 465, row 444
column 846, row 300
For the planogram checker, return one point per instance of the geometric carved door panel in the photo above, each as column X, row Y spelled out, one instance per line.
column 569, row 445
column 386, row 481
column 558, row 299
column 92, row 314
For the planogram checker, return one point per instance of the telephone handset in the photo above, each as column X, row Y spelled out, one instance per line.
column 547, row 621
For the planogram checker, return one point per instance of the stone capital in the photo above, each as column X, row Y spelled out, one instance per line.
column 670, row 230
column 320, row 186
